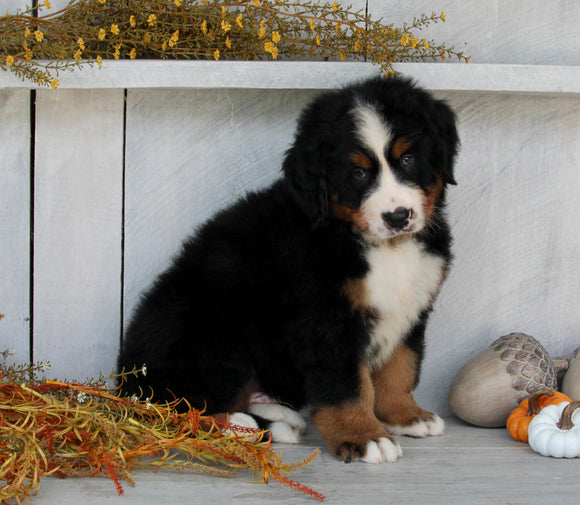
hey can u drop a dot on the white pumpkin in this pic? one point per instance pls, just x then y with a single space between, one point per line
555 431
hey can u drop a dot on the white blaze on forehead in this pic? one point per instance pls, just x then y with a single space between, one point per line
376 135
371 129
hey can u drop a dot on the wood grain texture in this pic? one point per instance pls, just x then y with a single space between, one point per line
15 221
467 465
78 225
190 153
492 31
514 215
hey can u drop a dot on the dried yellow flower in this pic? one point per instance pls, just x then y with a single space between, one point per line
178 3
47 4
115 29
81 43
276 37
147 38
174 39
216 54
443 17
357 45
226 27
269 47
404 40
133 53
132 21
239 21
228 43
26 32
204 27
426 44
152 20
103 1
9 60
262 29
317 39
102 34
311 24
335 6
38 35
27 53
77 56
99 61
55 83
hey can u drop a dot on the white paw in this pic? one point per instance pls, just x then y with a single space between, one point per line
275 412
283 433
434 427
243 420
383 451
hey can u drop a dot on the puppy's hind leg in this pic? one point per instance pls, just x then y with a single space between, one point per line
284 423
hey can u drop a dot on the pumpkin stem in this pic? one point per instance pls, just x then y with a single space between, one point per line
533 407
566 418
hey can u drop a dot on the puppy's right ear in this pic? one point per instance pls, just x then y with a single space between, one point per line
306 162
304 172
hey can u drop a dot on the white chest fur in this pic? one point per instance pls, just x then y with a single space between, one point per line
402 282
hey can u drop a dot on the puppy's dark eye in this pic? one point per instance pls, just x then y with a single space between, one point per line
407 161
360 174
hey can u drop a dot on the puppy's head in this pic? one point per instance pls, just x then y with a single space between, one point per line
377 155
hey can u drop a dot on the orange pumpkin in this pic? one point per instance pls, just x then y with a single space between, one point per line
519 420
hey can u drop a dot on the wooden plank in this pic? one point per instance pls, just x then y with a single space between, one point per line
15 221
78 230
466 465
528 32
514 214
448 77
189 153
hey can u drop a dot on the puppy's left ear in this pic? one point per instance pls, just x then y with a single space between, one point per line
448 141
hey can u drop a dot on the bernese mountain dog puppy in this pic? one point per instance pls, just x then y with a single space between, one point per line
315 291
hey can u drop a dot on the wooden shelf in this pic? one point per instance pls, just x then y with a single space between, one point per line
446 77
470 465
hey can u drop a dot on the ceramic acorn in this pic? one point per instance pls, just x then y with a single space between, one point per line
571 383
492 384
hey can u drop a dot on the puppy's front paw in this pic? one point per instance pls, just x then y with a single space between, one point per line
424 425
382 450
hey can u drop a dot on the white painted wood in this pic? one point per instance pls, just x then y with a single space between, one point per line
78 216
189 153
536 32
12 6
15 221
515 218
467 465
476 78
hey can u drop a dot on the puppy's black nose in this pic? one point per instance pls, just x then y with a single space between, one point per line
397 219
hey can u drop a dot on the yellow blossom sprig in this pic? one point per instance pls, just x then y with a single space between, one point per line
37 48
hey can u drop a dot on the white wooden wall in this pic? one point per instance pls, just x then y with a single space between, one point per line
98 187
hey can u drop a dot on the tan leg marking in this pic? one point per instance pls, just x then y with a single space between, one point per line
352 431
394 402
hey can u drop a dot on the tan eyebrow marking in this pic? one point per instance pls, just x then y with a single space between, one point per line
361 160
400 147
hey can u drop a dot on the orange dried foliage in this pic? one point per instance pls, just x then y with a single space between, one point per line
73 430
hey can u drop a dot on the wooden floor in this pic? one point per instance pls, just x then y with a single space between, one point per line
467 466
